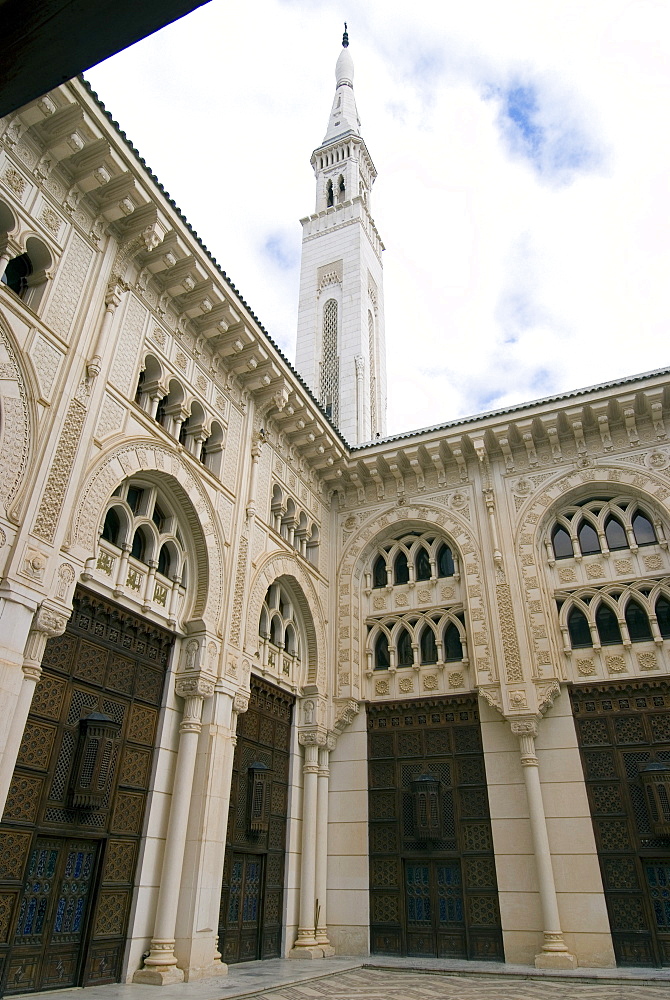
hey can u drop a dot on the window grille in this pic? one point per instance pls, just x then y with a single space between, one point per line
330 363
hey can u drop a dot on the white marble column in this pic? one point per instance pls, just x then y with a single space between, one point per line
306 945
554 954
160 967
46 623
321 865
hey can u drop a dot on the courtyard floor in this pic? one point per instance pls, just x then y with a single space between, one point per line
395 979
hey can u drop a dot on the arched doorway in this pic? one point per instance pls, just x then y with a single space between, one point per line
70 834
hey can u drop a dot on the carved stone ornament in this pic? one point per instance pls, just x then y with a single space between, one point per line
345 713
194 686
492 696
547 694
50 622
524 727
313 738
240 702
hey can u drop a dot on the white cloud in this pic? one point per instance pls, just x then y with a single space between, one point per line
527 250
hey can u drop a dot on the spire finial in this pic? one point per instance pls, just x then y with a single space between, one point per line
345 37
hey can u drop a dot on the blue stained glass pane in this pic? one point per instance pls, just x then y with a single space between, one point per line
234 907
69 913
69 864
36 886
51 866
60 910
41 912
33 862
41 863
87 865
22 913
79 862
78 913
30 916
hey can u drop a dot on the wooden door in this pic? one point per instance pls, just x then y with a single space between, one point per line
622 728
435 897
252 890
53 914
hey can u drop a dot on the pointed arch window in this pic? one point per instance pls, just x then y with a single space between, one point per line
111 529
663 616
382 652
588 539
405 652
164 561
16 274
643 530
379 574
422 565
608 626
637 621
578 628
329 194
139 545
428 646
615 534
560 539
400 569
453 647
445 561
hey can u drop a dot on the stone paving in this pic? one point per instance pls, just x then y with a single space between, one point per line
387 984
398 979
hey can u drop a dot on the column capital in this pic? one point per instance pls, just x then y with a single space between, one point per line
196 685
313 738
526 730
51 621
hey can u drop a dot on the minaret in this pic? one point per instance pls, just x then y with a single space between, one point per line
340 349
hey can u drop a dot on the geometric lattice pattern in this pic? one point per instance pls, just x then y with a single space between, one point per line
330 363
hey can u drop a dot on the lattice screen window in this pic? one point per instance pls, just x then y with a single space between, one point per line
373 374
330 363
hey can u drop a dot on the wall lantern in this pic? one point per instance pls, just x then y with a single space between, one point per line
94 761
427 807
655 779
258 798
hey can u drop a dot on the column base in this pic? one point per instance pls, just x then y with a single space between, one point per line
307 951
555 960
161 975
217 968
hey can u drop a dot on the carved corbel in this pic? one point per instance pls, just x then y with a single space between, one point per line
346 710
492 696
547 693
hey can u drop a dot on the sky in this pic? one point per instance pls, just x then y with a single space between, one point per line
523 191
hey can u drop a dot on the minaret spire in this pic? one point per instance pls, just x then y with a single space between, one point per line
340 349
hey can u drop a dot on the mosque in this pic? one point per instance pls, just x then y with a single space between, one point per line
274 683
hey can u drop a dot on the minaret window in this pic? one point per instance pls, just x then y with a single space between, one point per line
329 194
330 371
341 190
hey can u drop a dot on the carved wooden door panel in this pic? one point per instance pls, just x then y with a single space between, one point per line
622 730
53 914
81 779
250 919
437 895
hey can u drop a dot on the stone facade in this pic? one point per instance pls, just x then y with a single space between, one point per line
163 466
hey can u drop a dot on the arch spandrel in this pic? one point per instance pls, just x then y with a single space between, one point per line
359 549
155 461
535 518
282 567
